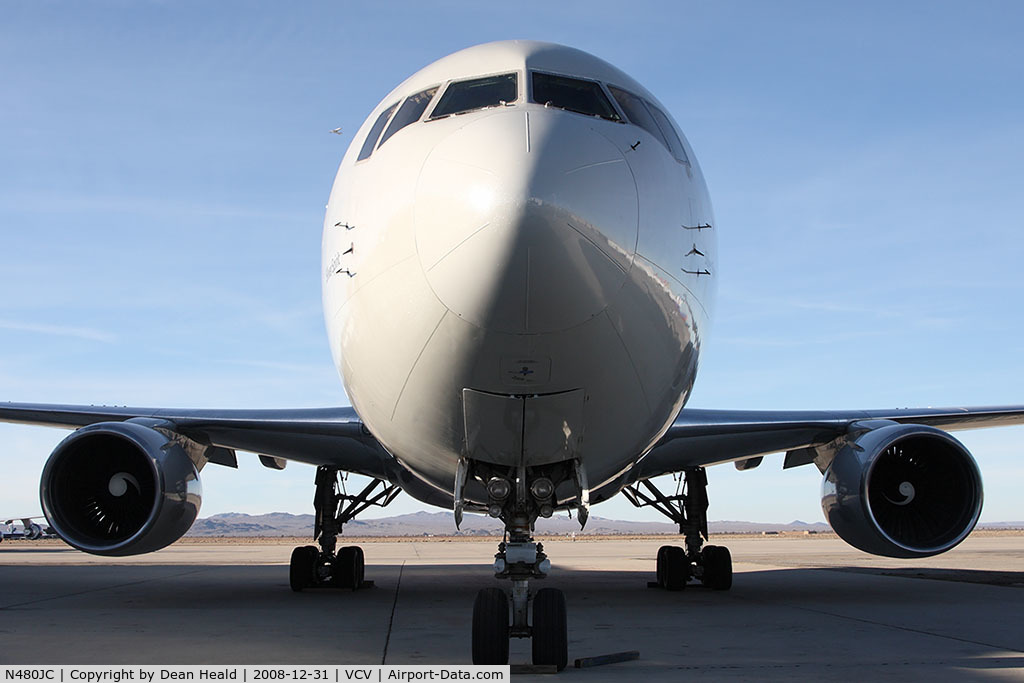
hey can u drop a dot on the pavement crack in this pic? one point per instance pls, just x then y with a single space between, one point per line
391 619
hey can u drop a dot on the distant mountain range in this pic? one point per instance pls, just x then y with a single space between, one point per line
443 524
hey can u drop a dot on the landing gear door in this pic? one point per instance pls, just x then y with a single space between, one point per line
552 427
494 427
523 430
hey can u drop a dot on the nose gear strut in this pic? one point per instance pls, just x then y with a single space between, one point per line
711 564
520 559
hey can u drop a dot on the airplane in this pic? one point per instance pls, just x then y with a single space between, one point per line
518 267
33 531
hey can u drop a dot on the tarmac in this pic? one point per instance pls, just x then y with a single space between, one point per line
800 607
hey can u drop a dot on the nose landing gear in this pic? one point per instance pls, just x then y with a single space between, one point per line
520 559
518 495
311 566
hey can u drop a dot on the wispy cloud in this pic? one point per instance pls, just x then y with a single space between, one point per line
58 330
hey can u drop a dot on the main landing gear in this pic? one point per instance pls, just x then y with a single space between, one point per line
312 566
710 564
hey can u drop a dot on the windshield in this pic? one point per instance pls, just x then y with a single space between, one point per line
572 94
478 93
674 143
637 112
410 112
378 126
650 118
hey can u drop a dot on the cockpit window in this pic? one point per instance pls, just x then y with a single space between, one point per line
572 94
637 112
378 126
674 143
410 112
650 118
477 93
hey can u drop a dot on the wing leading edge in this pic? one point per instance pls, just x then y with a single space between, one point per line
337 437
706 437
319 436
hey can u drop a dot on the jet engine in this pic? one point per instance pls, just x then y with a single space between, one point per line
903 491
120 488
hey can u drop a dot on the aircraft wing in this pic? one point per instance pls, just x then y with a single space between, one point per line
707 437
319 436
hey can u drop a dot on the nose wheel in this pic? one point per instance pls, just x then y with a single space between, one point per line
549 633
550 638
490 627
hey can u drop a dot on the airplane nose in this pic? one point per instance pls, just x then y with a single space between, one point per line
526 220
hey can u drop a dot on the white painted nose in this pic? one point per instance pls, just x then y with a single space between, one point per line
526 221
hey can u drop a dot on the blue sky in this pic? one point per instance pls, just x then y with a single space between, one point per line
164 167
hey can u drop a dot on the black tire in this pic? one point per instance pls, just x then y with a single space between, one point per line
490 627
360 566
347 569
302 567
661 564
550 628
717 561
317 559
676 569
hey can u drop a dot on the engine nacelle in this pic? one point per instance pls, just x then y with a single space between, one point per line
903 491
120 488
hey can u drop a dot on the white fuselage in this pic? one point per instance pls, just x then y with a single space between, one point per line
517 284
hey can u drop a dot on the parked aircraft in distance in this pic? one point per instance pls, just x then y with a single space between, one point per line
29 529
518 265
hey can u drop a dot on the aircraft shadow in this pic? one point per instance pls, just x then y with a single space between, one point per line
774 624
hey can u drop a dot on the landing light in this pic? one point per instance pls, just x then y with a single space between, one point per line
542 488
498 488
